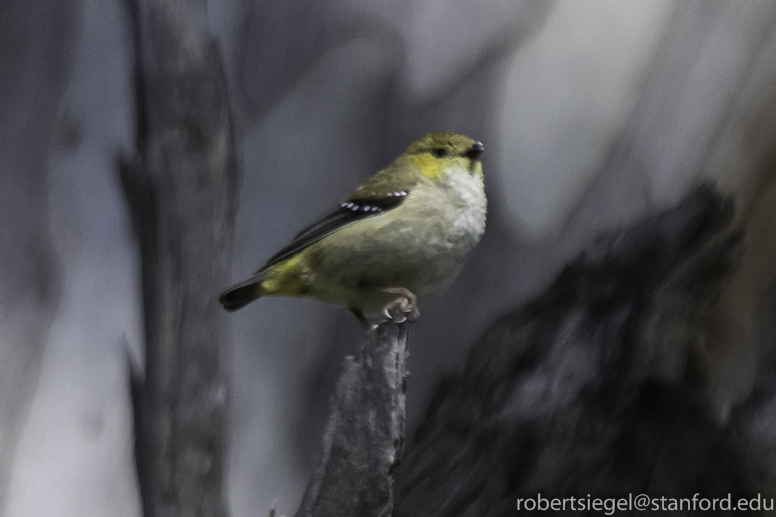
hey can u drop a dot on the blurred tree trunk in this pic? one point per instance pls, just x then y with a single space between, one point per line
181 188
37 41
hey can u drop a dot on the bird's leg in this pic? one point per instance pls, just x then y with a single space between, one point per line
404 308
360 317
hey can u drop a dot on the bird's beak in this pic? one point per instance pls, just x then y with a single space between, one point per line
474 152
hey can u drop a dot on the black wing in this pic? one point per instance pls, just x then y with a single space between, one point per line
348 212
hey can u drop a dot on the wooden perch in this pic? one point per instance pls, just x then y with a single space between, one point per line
365 435
181 189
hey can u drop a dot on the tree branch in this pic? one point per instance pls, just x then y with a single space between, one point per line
365 435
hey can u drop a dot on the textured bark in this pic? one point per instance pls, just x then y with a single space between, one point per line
365 434
181 192
596 386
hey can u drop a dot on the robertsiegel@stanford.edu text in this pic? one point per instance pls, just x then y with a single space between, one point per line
642 502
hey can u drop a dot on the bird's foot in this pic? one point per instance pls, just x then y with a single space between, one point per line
404 308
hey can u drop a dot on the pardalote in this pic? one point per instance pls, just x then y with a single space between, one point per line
402 236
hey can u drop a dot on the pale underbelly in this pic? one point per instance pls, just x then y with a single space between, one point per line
412 255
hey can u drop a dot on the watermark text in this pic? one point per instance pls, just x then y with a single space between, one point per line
642 502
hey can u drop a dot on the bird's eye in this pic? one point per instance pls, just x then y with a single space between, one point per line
439 152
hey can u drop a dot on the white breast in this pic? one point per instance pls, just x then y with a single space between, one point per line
466 193
441 242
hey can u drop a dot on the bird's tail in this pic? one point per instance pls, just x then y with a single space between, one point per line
242 294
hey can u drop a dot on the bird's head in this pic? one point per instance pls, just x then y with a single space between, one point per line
437 153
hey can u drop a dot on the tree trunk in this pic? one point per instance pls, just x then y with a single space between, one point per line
181 189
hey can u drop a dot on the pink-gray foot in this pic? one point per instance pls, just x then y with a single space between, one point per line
404 307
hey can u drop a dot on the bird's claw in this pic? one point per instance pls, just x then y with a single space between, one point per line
404 308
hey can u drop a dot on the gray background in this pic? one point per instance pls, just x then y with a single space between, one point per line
592 114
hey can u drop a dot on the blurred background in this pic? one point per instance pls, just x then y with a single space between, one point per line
592 114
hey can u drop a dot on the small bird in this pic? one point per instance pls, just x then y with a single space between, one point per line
402 236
